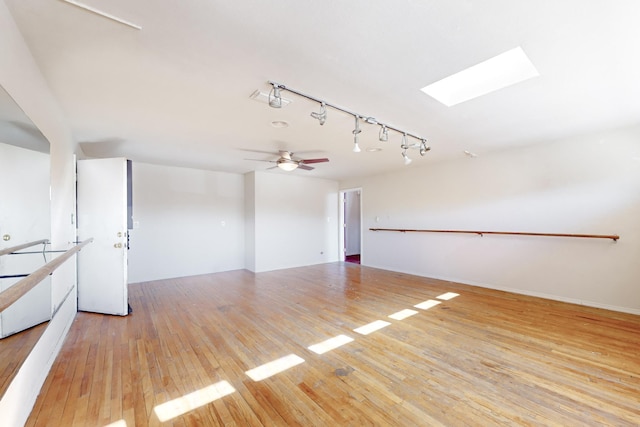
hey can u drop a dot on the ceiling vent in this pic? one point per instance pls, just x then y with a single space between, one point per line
263 97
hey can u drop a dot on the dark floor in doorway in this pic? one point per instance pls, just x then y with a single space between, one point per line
352 258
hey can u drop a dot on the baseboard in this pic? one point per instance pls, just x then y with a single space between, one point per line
531 293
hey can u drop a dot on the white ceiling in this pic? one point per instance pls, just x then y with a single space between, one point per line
178 91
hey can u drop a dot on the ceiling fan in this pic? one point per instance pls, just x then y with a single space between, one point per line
288 163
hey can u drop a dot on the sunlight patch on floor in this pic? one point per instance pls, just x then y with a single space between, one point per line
371 327
119 423
403 314
448 296
426 305
330 344
274 367
191 401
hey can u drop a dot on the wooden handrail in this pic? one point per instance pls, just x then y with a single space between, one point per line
16 291
12 249
613 237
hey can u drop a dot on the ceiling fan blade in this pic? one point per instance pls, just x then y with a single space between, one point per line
262 160
272 152
305 167
306 161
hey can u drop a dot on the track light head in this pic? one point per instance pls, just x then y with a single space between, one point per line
356 131
407 159
275 100
424 148
383 135
322 115
404 144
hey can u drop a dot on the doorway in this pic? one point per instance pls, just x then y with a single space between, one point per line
351 214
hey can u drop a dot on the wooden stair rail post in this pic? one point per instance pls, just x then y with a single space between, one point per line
13 249
613 237
16 291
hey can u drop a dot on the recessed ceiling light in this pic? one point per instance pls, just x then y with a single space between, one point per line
506 69
373 149
470 154
279 124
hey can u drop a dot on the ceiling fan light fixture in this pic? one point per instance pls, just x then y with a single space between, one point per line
287 164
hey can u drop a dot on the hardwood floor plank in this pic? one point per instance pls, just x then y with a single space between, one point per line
484 357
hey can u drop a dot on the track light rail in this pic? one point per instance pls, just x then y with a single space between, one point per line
613 237
368 119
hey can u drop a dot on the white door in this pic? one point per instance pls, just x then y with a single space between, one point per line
352 222
102 214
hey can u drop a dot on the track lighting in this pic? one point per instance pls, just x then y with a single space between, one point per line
322 115
424 147
404 145
276 101
407 159
383 135
356 131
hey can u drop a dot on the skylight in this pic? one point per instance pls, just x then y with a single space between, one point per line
506 69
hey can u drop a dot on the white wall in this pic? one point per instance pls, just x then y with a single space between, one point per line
250 221
186 222
296 221
588 185
21 78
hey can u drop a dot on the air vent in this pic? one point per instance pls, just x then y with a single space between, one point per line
263 97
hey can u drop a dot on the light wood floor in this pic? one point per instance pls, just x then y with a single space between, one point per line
482 358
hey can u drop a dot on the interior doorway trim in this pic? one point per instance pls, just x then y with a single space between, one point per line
346 222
